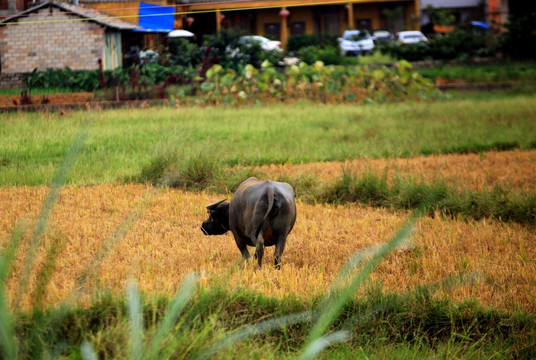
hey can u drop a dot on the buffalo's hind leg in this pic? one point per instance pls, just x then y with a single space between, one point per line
278 253
259 249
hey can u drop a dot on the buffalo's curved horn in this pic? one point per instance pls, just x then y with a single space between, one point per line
213 205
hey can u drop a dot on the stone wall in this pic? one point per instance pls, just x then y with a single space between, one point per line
56 44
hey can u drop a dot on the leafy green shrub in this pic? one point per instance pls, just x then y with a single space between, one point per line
505 72
461 44
297 42
185 53
458 44
76 80
88 80
317 82
376 58
329 55
519 39
224 48
409 52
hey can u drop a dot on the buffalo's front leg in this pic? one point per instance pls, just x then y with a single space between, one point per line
242 247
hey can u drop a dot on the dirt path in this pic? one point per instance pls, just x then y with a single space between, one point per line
61 98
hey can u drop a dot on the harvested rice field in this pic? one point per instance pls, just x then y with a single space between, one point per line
512 170
163 242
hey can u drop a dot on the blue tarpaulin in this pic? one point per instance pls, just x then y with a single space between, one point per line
481 24
155 18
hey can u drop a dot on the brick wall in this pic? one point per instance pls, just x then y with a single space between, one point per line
76 44
12 81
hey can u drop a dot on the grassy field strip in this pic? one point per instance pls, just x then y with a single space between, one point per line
514 170
121 143
166 243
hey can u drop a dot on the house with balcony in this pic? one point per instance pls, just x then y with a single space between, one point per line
276 18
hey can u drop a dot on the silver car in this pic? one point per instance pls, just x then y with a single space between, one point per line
410 37
266 44
355 42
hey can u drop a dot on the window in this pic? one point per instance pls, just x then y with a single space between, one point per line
273 29
363 24
327 20
297 28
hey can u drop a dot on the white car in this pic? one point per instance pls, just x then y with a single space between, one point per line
355 42
410 37
266 44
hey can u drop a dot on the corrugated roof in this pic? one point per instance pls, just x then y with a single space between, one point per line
82 11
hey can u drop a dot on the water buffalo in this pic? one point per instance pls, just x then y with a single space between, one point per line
261 213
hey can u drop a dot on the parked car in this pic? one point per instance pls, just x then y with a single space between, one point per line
410 37
382 36
266 44
355 42
148 56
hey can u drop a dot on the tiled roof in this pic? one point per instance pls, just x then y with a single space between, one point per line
80 10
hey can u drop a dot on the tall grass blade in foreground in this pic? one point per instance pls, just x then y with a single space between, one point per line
317 346
87 351
7 334
135 316
136 321
333 307
45 273
253 330
58 182
7 339
172 313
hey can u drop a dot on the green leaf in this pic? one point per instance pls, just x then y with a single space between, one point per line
378 74
250 71
404 64
207 86
266 64
214 70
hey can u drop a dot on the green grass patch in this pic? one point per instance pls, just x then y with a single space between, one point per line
377 57
482 73
406 193
379 323
122 144
370 189
44 91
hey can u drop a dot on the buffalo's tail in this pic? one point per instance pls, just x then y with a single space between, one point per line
272 209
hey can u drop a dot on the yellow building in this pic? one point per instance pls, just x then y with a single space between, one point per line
278 18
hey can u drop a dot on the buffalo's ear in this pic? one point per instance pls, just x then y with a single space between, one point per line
214 205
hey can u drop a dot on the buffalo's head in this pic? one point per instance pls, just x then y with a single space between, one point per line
218 219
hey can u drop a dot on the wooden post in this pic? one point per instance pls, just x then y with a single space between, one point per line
417 13
350 16
284 13
218 20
